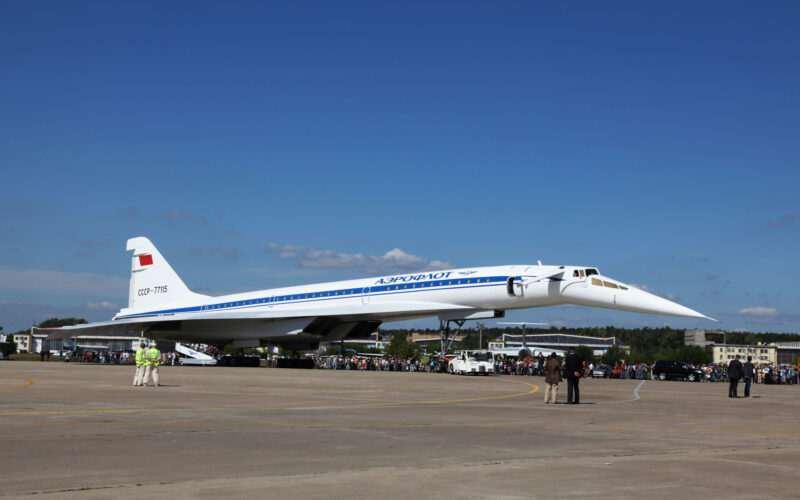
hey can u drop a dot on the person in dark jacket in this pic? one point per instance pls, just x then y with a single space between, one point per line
734 374
747 375
552 376
573 366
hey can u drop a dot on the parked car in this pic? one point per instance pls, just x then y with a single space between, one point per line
601 371
671 370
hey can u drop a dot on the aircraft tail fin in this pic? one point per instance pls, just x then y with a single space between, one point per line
154 285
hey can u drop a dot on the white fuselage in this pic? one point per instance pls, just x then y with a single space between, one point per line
483 288
453 294
161 306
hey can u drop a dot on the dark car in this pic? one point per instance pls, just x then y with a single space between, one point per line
670 370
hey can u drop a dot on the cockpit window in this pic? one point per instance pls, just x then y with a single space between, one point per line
575 274
590 272
609 284
597 282
583 273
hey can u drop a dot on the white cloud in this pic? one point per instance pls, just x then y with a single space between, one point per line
102 306
761 315
393 261
759 311
38 280
16 315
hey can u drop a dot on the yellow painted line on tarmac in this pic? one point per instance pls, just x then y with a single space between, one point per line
28 383
323 407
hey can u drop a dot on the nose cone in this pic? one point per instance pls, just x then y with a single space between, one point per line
637 300
611 294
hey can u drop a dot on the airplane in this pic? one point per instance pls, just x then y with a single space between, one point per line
525 351
161 306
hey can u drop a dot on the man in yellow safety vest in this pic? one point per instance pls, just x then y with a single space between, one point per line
153 357
141 364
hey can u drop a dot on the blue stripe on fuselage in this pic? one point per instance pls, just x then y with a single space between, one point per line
297 298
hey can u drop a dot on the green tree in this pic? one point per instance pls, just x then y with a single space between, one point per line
470 341
635 356
59 322
399 347
695 354
585 353
612 355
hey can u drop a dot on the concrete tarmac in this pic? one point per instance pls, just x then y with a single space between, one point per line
83 431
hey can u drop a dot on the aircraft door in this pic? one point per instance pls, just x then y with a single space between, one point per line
365 295
514 286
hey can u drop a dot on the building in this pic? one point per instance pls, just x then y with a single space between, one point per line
24 342
374 341
559 341
699 337
762 353
424 340
788 353
35 340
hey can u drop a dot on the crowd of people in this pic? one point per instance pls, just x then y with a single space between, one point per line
763 373
211 350
104 357
373 363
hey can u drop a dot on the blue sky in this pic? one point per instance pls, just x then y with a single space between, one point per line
658 142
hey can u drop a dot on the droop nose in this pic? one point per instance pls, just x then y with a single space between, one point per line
611 294
637 300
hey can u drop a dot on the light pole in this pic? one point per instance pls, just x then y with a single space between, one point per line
481 326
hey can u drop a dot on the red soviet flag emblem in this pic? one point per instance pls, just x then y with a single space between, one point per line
146 260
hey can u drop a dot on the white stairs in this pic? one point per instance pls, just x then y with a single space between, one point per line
194 357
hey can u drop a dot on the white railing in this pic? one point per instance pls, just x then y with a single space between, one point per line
200 357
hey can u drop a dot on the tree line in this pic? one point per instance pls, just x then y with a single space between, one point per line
645 345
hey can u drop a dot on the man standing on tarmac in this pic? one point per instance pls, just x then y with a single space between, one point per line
734 374
749 371
153 360
141 364
552 376
573 365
